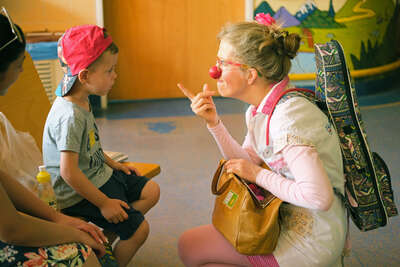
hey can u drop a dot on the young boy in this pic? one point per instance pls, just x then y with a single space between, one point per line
87 182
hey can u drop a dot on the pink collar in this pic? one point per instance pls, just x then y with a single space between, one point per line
267 104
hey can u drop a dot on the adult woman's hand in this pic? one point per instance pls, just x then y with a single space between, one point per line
79 224
98 248
202 104
243 168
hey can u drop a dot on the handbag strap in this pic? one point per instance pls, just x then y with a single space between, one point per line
278 96
215 180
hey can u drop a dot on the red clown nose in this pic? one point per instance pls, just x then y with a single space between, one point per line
215 72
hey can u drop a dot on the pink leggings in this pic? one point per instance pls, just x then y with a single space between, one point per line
205 246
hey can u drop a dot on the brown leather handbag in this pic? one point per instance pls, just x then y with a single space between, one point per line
246 216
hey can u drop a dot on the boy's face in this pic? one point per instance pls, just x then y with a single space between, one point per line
102 75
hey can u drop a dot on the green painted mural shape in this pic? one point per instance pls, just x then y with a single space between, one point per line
366 28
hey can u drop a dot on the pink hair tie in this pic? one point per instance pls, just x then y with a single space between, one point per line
265 19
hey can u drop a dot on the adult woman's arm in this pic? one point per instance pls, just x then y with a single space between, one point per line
230 148
203 106
25 201
25 230
311 187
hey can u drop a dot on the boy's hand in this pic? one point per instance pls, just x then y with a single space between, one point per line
203 104
112 210
127 169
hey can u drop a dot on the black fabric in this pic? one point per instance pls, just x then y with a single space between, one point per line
121 186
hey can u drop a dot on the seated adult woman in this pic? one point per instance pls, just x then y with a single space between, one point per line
32 233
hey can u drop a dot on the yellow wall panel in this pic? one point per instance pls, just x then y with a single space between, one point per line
163 42
26 105
50 15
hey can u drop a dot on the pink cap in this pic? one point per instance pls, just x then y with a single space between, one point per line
82 45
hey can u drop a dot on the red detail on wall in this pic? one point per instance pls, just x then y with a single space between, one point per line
309 37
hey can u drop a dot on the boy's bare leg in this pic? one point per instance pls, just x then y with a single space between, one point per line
148 198
125 249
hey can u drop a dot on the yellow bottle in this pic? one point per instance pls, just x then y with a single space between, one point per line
45 190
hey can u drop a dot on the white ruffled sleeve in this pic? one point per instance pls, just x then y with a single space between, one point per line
297 121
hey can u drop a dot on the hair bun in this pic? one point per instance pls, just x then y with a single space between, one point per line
291 44
291 54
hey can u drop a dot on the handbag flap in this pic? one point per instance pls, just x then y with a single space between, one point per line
267 196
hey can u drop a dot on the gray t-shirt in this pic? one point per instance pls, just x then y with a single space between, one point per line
71 128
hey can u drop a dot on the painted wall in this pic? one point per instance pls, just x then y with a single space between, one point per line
50 15
366 29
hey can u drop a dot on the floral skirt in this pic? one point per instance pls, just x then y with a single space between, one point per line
65 255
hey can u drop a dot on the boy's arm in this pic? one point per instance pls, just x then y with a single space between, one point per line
111 209
119 166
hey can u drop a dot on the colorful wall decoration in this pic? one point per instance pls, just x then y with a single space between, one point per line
367 29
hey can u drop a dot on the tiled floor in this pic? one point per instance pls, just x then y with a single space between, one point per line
166 132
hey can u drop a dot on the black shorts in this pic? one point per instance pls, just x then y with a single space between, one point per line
121 186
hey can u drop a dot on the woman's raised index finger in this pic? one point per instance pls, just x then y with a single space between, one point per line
186 92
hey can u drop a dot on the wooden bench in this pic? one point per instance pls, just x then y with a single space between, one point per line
146 169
